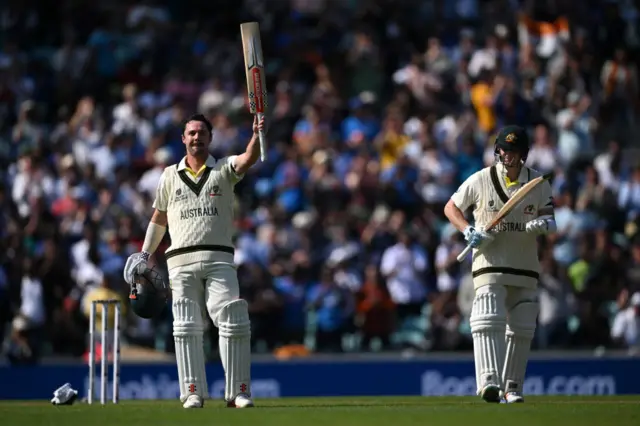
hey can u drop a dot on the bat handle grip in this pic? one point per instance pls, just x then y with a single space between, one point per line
463 254
263 140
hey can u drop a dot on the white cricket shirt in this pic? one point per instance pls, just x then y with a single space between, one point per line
199 211
512 258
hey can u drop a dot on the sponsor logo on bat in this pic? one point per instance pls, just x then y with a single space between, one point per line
255 64
255 54
257 89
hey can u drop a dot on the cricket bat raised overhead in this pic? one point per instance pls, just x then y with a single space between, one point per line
254 68
508 207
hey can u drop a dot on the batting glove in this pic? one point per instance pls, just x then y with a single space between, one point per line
542 225
136 264
64 395
477 238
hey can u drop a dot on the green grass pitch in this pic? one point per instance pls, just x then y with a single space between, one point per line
387 411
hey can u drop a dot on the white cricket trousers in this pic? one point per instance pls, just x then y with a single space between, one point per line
210 285
197 288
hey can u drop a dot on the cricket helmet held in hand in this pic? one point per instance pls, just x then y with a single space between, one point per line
149 293
512 138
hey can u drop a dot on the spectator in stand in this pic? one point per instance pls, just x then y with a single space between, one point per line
374 119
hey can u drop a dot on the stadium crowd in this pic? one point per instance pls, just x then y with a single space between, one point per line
379 109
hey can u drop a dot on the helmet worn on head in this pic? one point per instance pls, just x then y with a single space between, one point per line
512 138
149 293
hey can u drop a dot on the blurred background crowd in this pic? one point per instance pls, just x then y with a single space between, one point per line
379 109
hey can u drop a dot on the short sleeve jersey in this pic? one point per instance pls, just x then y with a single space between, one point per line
512 258
199 211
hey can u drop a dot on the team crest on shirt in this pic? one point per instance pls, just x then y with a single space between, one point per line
491 206
179 195
530 209
215 191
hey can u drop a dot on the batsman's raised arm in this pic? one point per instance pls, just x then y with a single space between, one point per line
244 161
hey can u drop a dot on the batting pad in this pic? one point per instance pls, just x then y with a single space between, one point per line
488 322
234 329
521 327
187 334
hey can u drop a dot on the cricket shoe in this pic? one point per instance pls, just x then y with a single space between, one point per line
491 393
193 401
513 397
241 401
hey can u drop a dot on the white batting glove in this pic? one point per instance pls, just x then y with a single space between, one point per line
136 264
64 395
477 238
541 226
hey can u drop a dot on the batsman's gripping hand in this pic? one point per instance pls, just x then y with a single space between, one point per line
136 264
258 125
541 226
477 238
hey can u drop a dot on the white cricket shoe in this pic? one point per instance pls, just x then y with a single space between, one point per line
241 401
193 401
513 397
491 393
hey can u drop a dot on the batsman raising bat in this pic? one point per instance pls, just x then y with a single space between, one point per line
505 263
195 199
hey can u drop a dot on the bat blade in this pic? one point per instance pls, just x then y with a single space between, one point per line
516 199
509 206
254 67
254 70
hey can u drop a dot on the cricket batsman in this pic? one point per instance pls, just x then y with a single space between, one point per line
505 264
194 199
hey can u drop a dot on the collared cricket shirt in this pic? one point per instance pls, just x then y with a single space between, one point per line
199 207
512 258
